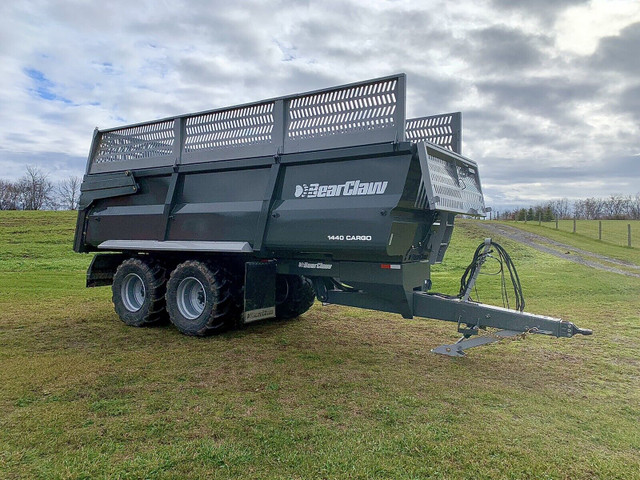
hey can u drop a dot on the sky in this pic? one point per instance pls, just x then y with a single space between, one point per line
549 89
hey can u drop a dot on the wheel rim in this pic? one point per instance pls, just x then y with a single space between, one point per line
133 292
192 298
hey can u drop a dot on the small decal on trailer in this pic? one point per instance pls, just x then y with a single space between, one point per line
390 266
318 265
350 238
259 314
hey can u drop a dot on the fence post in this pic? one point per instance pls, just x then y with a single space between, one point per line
628 234
556 223
574 225
599 229
539 218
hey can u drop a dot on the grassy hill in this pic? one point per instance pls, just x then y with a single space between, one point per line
337 393
614 243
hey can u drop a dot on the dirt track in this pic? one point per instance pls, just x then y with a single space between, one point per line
562 250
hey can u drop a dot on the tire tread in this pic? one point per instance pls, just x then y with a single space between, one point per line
155 274
299 300
219 317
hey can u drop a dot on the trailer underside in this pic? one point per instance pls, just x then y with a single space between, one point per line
393 288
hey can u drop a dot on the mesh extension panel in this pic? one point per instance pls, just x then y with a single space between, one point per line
239 132
355 114
345 116
136 143
444 130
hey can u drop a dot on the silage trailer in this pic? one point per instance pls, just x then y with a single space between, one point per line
220 218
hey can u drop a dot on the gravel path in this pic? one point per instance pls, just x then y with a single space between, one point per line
562 250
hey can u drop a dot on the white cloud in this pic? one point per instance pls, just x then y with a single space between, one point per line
580 28
533 82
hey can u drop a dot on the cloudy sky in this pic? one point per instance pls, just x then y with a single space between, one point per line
549 89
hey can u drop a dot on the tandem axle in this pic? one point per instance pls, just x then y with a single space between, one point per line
376 286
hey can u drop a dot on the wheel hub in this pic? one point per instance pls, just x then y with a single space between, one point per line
133 292
191 298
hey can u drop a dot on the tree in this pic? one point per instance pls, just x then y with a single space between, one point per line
530 214
561 208
579 209
69 192
9 197
35 190
616 206
634 207
538 212
593 208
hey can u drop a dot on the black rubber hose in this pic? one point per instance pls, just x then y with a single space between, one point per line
505 260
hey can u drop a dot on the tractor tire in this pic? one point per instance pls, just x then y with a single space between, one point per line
199 300
294 296
138 292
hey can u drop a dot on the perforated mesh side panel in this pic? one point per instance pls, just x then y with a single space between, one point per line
449 183
444 130
366 108
235 127
422 199
471 192
445 184
136 143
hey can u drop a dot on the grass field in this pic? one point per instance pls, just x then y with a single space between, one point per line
614 232
337 393
587 242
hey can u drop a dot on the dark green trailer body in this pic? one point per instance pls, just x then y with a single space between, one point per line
331 192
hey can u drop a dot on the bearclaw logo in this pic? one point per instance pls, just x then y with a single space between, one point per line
347 189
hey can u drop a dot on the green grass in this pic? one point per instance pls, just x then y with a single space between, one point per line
586 240
338 393
613 231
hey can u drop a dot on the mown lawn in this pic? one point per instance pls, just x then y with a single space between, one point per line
614 235
337 393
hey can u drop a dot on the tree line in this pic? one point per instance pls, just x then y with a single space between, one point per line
35 191
613 207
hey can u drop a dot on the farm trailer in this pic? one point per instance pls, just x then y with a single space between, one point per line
224 217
